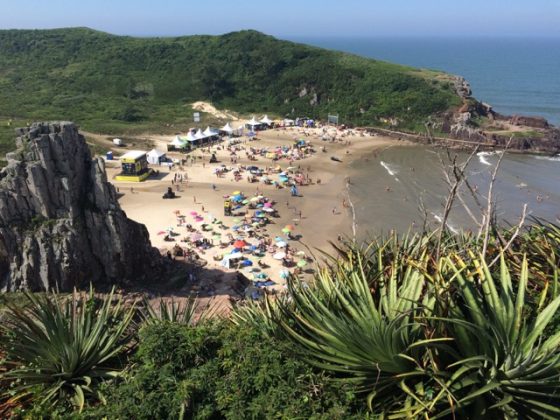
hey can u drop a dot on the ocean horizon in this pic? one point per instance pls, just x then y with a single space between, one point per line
515 75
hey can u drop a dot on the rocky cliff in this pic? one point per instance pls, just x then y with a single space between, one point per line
60 222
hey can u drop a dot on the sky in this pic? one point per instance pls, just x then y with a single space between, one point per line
292 18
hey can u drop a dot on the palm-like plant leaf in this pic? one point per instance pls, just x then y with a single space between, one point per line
61 347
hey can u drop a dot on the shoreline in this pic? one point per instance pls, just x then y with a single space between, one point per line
324 217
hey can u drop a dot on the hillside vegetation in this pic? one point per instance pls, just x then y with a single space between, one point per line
111 83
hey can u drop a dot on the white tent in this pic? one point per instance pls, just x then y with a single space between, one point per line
266 120
199 135
178 143
227 128
210 132
254 122
154 156
191 137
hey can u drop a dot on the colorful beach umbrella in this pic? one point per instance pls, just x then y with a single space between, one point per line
196 237
236 193
239 244
286 230
193 213
281 244
289 227
279 255
301 263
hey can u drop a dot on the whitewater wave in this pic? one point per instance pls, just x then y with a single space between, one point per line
555 158
391 171
482 157
439 219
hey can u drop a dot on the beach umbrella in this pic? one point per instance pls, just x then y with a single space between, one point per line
289 227
268 210
199 219
279 255
246 263
193 213
281 244
196 237
245 202
286 231
239 244
253 199
236 193
236 220
261 215
301 263
161 232
268 204
284 274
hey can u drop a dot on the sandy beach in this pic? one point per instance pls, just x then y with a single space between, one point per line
319 214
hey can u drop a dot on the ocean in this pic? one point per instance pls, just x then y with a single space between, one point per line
514 75
401 187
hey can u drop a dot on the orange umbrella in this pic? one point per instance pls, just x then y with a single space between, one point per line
289 227
239 244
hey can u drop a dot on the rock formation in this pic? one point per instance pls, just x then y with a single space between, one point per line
60 223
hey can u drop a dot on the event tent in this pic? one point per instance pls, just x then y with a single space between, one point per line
199 135
266 120
178 143
155 156
253 124
228 129
210 132
191 137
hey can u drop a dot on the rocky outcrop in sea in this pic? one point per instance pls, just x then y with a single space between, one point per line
61 225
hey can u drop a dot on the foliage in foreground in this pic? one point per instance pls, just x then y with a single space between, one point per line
219 371
59 348
385 330
452 337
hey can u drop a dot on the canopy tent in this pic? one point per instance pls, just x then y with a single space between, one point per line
288 122
253 124
210 132
191 137
253 121
228 129
199 135
155 156
266 120
178 143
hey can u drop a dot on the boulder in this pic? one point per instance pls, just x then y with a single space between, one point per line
61 225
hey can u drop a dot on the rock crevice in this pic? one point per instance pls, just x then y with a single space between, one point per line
61 225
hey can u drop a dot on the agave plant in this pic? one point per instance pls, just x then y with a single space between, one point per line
507 365
258 315
362 324
184 312
60 348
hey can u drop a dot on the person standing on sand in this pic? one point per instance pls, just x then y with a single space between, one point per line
334 210
194 199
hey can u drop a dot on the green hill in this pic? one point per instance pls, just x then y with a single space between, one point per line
107 83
